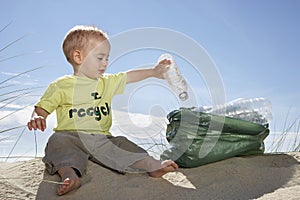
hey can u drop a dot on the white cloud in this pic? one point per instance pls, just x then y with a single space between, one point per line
15 74
137 125
21 117
20 79
15 119
11 106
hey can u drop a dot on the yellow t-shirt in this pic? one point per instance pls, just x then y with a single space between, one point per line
83 104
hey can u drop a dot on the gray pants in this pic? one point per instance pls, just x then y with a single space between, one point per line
74 149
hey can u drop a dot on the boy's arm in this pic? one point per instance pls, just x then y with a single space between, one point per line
141 74
38 119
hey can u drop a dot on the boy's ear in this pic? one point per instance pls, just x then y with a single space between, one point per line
78 57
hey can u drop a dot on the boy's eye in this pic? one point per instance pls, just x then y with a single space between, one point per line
103 59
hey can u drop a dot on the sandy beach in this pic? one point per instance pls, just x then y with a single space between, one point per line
270 176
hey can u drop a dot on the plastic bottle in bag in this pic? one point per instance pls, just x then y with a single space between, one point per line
174 78
256 110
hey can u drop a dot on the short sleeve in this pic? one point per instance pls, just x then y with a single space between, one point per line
50 99
119 82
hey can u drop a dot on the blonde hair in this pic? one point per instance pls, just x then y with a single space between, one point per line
78 38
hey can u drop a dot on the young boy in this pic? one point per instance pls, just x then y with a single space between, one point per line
83 108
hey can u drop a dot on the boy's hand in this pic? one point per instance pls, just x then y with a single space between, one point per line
38 119
161 68
37 122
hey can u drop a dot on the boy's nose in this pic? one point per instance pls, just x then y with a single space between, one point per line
105 63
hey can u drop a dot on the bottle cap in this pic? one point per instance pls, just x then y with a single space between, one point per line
166 56
183 96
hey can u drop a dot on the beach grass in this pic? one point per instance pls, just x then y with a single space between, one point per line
11 91
288 139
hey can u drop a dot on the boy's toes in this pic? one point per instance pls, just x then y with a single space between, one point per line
169 164
166 166
68 186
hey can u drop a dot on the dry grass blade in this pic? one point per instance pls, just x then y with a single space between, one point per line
25 72
13 98
10 44
6 86
5 116
15 56
5 27
20 90
15 144
10 129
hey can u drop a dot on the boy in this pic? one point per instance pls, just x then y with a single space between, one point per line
83 109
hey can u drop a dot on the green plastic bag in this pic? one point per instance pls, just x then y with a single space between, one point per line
196 140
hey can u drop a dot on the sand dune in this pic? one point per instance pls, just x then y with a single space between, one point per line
273 176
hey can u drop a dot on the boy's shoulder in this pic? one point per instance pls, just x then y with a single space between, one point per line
114 76
64 80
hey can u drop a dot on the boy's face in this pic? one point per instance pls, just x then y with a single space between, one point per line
96 59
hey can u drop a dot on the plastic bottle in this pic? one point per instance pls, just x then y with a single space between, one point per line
174 78
257 110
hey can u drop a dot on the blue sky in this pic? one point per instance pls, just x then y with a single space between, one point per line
254 45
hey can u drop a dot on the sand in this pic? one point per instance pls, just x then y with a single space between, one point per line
270 176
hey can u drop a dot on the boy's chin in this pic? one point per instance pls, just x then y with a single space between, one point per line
95 76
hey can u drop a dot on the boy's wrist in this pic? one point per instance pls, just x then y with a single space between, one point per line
153 72
157 73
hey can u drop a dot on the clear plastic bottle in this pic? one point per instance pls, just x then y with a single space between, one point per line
257 110
174 78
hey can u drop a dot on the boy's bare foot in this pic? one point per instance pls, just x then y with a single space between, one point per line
166 166
155 168
70 179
